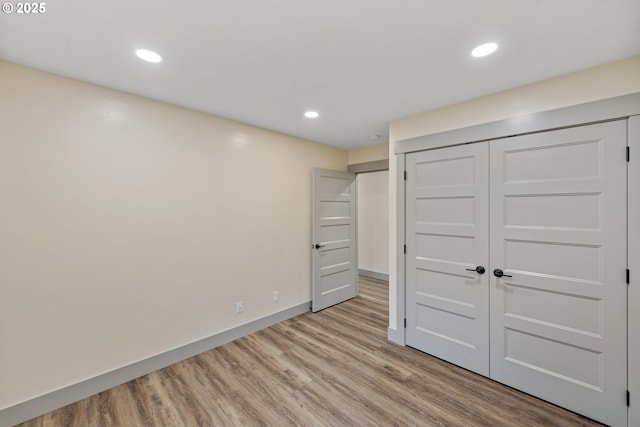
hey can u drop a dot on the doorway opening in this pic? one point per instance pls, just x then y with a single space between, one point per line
372 204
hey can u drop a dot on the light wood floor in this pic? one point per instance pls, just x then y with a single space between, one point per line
332 368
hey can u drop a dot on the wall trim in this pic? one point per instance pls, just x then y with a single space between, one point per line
48 402
373 274
398 325
617 108
375 166
396 336
633 264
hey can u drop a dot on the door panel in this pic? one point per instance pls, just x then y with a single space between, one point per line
334 276
558 227
447 217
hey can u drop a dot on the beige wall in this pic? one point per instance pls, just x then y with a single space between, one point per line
373 221
130 227
369 154
606 81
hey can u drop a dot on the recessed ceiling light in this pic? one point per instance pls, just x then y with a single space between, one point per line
148 55
484 50
311 114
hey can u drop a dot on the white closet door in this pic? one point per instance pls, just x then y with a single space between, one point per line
447 238
558 230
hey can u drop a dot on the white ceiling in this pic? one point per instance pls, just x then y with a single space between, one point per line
359 63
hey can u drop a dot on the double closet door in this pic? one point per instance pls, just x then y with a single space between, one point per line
516 263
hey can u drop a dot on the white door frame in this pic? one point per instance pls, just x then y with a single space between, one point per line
622 107
633 263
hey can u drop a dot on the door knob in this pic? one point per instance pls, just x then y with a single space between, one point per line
499 273
318 246
479 269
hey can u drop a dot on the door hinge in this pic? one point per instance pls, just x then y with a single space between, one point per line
628 276
405 251
405 323
628 398
628 154
405 173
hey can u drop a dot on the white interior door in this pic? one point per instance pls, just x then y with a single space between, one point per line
447 302
558 232
335 270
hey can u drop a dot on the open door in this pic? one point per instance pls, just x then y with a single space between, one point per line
334 266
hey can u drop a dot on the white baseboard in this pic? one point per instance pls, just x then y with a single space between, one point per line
396 336
41 405
373 274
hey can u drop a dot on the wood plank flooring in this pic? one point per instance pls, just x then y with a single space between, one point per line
332 368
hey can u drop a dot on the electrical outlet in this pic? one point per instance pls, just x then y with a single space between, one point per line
276 295
239 307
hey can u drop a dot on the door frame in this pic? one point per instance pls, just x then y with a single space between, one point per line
626 107
633 263
364 168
